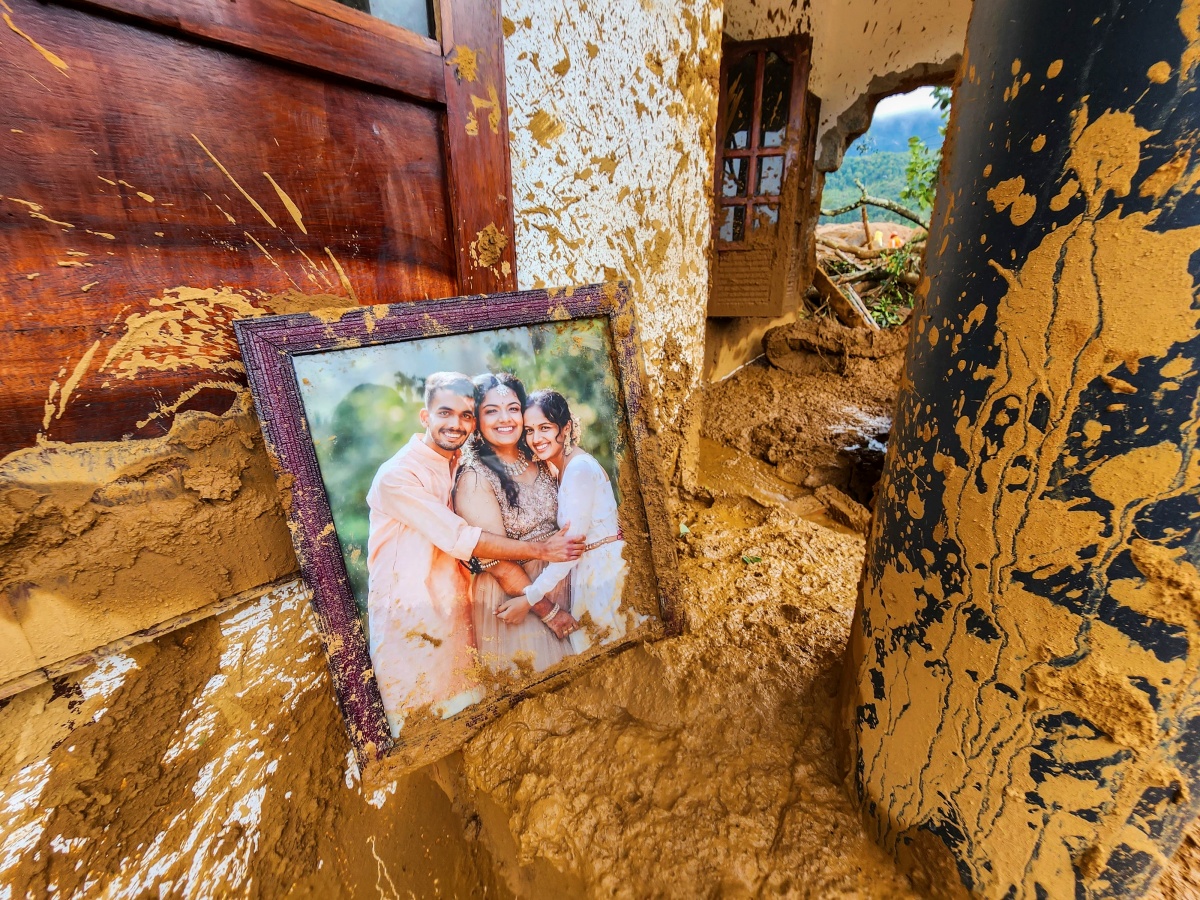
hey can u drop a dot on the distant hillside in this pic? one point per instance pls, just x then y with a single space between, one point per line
883 175
892 134
878 159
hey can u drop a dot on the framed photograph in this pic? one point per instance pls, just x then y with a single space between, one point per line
474 499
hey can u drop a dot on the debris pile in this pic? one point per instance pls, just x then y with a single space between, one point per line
866 274
804 427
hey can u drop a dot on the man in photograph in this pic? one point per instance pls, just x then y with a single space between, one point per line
422 646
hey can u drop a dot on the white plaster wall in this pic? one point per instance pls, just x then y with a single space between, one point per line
612 114
856 42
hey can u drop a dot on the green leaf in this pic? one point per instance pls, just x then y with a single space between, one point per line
750 560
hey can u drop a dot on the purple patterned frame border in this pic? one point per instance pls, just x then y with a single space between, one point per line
268 345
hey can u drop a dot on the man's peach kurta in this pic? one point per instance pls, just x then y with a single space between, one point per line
422 646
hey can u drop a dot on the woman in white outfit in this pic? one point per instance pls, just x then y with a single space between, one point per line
586 502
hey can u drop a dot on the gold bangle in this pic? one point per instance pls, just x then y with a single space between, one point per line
554 611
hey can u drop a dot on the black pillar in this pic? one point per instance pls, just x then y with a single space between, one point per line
1022 686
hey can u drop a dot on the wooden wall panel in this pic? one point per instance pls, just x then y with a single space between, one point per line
322 34
133 163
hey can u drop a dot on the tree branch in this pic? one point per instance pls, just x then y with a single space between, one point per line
882 203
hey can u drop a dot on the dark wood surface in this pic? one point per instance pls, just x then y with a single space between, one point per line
477 131
768 272
106 186
320 34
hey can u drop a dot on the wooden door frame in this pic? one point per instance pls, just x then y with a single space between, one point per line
325 36
786 267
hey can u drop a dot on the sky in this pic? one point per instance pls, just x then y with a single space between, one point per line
921 98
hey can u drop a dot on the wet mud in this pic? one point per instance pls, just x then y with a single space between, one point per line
811 420
706 762
703 762
214 761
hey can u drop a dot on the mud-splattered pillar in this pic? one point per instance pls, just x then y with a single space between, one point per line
1024 678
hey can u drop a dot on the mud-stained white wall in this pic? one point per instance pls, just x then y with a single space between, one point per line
612 118
213 760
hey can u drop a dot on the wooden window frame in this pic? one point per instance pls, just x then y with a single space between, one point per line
764 274
330 38
794 50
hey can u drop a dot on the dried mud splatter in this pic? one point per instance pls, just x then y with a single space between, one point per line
1041 768
102 540
588 208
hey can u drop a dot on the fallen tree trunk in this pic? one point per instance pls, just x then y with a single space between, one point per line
859 252
882 204
845 303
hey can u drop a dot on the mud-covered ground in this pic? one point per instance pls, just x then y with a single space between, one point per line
700 766
705 765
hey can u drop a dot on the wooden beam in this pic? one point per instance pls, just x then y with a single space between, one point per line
845 303
314 34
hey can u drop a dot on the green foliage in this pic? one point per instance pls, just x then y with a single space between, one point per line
920 175
835 266
373 421
908 178
894 292
942 95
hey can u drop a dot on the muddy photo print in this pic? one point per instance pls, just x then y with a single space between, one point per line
471 499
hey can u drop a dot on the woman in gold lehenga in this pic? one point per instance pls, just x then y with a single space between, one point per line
502 488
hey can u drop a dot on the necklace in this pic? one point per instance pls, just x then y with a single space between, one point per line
517 469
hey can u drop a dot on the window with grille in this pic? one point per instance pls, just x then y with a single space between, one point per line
765 144
756 102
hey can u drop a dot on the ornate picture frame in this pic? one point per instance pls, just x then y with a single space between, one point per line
274 346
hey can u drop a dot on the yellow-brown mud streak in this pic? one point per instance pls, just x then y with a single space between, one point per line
488 246
466 63
215 760
185 329
1180 879
974 744
103 539
1011 193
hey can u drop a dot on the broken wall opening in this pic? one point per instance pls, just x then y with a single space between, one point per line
874 212
862 52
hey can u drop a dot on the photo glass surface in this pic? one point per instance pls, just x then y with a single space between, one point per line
536 439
